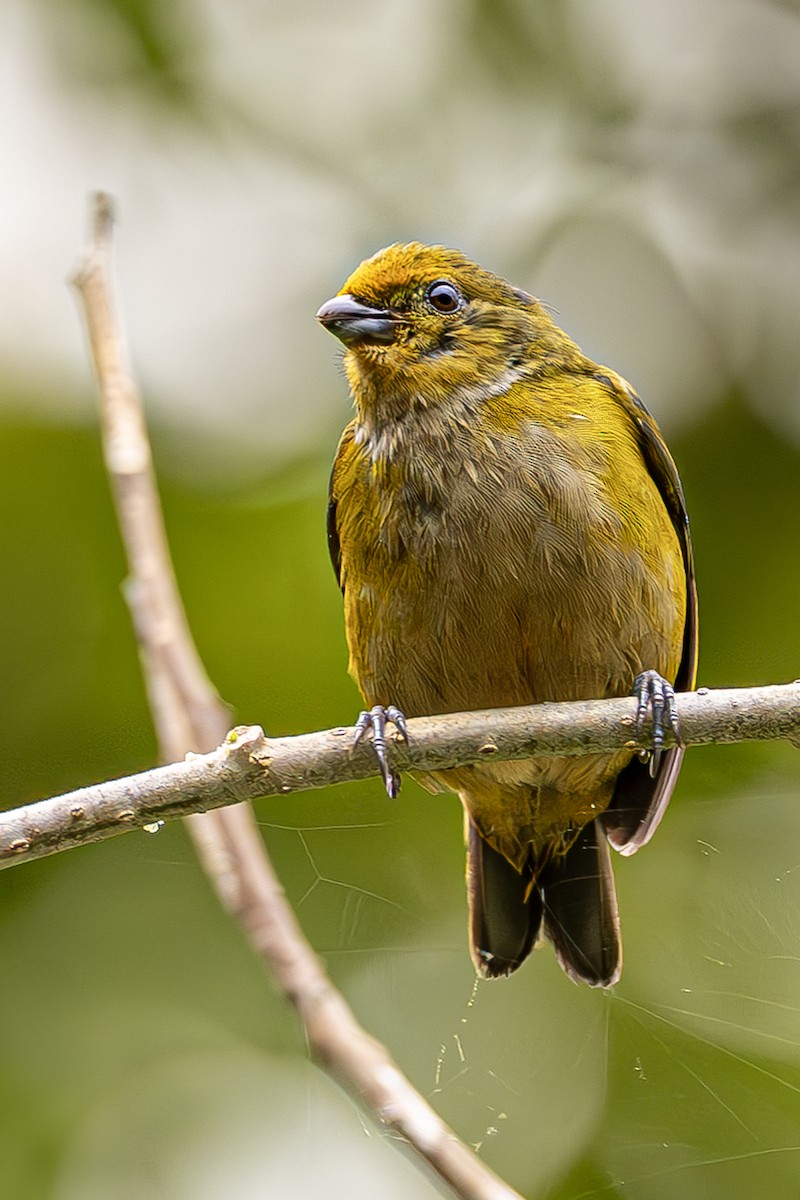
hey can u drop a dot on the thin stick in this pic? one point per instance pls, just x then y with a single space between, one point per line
249 765
189 717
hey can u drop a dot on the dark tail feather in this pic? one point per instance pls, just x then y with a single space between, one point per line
580 910
503 924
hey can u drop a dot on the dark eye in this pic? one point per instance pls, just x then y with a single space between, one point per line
444 297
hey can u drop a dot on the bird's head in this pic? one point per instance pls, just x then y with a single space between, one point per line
422 324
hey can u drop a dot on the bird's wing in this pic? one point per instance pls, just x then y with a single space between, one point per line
639 800
334 548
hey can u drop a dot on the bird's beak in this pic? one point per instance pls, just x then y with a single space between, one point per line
352 322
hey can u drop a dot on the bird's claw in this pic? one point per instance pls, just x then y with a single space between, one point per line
655 695
377 719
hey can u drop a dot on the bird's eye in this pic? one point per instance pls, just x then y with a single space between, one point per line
444 297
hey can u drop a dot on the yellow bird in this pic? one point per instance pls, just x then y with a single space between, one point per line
508 528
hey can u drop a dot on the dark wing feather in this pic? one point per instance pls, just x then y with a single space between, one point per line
334 549
639 801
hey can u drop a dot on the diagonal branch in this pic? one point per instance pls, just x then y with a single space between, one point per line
189 717
249 765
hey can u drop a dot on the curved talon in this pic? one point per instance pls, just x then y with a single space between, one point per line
377 719
398 719
656 694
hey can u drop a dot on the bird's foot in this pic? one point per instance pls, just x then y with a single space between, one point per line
655 695
377 719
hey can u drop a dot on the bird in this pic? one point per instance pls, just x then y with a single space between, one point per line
508 528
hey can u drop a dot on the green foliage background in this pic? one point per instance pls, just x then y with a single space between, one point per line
636 167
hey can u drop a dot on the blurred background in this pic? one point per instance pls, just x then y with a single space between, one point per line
635 164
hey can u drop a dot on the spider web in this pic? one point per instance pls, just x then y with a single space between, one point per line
683 1081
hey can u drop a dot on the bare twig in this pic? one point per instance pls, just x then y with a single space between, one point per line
249 765
189 716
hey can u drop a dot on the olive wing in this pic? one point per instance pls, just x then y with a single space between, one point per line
334 546
640 800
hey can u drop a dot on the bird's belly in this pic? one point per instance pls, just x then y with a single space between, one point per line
465 631
436 642
502 611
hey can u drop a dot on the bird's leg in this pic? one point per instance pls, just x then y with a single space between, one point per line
656 694
376 719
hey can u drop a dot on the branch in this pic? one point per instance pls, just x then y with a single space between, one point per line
189 716
249 765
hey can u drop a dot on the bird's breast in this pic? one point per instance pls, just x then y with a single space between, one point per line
497 573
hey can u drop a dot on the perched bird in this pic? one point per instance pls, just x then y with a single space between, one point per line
508 527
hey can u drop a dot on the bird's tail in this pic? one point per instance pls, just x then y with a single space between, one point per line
581 917
573 901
